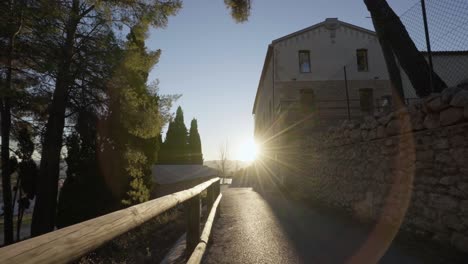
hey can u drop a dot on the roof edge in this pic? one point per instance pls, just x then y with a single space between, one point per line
262 76
365 30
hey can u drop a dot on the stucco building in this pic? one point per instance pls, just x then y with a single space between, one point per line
318 76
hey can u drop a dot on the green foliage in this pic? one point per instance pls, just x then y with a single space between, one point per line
181 147
240 9
195 150
175 148
85 193
135 120
27 168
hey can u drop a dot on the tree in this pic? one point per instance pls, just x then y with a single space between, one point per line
79 21
60 54
394 36
134 123
240 9
25 188
84 194
13 13
175 147
194 144
223 158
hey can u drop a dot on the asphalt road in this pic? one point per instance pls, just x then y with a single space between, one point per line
268 228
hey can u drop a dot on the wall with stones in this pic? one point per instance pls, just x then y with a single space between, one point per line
408 168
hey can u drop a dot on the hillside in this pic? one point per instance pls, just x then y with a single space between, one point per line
232 165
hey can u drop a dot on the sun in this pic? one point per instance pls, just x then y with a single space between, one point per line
249 151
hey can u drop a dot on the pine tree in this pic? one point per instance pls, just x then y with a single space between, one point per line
77 22
195 149
134 123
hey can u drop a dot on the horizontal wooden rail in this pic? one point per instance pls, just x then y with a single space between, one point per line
70 243
197 254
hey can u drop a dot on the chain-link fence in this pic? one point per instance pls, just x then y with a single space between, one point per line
447 22
357 83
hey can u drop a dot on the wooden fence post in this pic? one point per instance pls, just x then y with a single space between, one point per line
211 196
192 212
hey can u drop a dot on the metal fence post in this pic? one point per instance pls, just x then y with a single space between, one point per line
347 92
428 44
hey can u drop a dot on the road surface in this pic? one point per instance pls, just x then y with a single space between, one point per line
254 228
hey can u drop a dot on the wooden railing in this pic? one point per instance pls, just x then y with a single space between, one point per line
70 243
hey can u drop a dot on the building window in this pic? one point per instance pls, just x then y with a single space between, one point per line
362 63
304 61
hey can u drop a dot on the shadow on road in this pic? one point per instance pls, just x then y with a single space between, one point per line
322 236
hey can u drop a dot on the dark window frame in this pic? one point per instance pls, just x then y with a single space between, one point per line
308 61
366 60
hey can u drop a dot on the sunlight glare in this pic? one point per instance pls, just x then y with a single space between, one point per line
249 151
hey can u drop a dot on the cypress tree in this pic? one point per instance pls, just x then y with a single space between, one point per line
175 148
195 151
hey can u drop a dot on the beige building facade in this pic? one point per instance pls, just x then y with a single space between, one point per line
318 76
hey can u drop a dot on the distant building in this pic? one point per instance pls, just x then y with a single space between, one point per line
311 76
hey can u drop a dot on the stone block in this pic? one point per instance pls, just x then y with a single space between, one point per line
441 143
460 155
456 192
417 121
402 112
372 134
393 128
431 121
434 103
460 241
457 141
356 134
370 122
448 93
453 221
444 203
405 125
444 157
448 180
365 135
441 237
460 99
463 186
383 120
425 156
449 171
451 116
380 132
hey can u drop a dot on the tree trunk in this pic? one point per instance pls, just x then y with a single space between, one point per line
6 173
392 66
411 60
5 149
46 200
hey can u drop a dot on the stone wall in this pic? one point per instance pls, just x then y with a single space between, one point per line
408 168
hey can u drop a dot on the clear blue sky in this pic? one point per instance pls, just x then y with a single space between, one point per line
216 63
